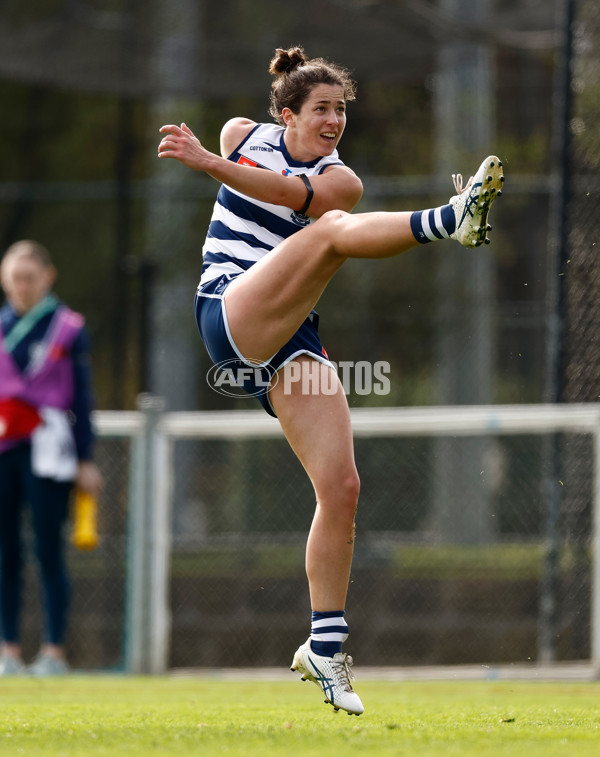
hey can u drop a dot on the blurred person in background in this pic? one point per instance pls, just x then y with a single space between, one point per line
46 442
265 266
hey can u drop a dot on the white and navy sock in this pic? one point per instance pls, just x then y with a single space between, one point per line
327 632
433 224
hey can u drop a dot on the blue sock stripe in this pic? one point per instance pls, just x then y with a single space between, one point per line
448 218
329 614
417 227
326 648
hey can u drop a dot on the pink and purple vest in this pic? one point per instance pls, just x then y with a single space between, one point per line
48 380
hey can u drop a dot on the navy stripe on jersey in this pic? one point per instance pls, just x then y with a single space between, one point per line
218 230
251 212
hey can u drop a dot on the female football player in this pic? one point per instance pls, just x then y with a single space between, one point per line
281 228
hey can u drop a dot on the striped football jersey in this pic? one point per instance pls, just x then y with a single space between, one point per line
242 229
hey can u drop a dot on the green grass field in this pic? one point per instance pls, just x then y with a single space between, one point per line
112 715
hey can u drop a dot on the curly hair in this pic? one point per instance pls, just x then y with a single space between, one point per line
296 75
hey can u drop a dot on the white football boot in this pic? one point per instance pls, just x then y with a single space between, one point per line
472 204
332 675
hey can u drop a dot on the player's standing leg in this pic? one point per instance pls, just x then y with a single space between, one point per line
319 431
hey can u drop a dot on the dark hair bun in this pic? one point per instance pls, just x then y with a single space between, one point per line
285 61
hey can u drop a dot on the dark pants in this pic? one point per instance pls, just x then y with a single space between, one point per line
49 503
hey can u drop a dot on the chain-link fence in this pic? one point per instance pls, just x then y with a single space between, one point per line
581 263
418 595
436 579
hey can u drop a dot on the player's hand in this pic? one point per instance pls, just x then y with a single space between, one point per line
181 143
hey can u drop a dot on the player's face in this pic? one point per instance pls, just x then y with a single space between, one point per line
315 131
25 282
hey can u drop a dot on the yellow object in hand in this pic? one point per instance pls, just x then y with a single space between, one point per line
85 521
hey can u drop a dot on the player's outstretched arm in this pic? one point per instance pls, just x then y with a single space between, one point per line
337 188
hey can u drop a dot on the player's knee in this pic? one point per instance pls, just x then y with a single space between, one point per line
331 224
353 490
342 494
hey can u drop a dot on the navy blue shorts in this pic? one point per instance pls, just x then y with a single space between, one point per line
211 318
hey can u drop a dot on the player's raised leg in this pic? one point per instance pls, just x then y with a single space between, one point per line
267 304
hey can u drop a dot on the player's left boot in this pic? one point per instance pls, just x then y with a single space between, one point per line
472 203
332 675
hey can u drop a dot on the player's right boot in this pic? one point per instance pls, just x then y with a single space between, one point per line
332 675
472 204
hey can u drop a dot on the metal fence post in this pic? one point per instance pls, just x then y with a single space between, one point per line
135 642
147 619
159 545
595 572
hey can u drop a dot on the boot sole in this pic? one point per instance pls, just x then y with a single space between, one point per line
489 189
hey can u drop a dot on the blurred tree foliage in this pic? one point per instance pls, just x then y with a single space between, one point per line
80 137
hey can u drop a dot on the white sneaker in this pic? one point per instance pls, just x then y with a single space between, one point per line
11 666
472 204
45 665
332 676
